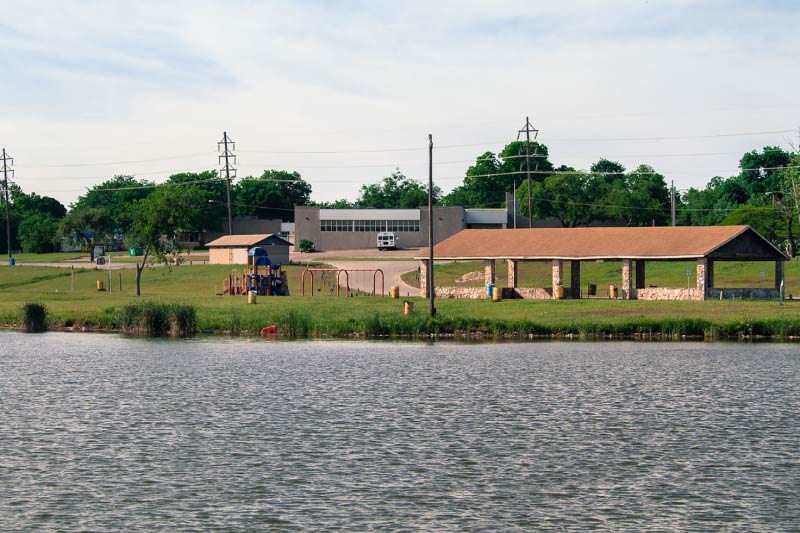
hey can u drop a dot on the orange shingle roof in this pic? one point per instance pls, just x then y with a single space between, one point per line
586 243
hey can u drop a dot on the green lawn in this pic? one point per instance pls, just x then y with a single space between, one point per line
197 285
658 273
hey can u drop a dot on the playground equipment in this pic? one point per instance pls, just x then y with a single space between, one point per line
334 277
260 276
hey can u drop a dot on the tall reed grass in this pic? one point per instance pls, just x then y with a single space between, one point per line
34 317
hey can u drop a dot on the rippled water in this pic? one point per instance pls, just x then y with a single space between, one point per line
99 432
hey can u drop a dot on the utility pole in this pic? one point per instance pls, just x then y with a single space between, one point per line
228 155
7 161
528 129
672 201
429 280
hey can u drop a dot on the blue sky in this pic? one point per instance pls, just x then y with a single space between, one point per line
106 82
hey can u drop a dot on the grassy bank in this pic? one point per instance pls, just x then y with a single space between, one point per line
85 307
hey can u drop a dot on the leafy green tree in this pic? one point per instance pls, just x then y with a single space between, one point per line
570 197
157 221
336 204
38 233
396 192
214 212
87 226
115 196
767 220
33 203
487 181
273 195
638 198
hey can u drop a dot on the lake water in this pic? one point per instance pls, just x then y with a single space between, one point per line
101 432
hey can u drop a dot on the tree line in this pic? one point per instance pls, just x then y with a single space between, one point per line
763 194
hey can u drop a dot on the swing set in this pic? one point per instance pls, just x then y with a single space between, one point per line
332 279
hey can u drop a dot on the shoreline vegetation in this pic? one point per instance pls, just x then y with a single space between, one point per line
181 302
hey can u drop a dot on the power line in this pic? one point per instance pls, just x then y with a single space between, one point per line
128 162
488 143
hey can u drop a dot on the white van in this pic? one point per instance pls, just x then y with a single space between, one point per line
387 240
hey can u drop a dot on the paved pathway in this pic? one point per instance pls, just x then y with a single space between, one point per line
392 270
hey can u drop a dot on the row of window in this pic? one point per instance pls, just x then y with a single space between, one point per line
369 225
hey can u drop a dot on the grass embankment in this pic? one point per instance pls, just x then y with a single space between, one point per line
659 273
326 315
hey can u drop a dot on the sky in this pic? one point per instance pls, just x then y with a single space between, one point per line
345 92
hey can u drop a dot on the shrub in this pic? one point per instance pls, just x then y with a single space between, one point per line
34 317
184 320
306 246
156 320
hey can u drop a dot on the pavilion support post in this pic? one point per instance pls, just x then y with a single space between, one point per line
702 277
640 274
778 274
423 278
512 273
627 288
709 275
558 280
575 279
488 272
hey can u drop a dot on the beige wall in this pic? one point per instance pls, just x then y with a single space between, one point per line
227 256
447 222
238 256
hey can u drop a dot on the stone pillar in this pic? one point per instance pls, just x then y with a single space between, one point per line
512 273
778 274
627 289
702 263
640 279
558 267
423 278
488 271
575 279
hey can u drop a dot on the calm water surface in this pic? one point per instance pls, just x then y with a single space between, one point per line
103 433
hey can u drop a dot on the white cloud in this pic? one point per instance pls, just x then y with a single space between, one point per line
109 81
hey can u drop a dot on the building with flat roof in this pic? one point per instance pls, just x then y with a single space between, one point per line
344 229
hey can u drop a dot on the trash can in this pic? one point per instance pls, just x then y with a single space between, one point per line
613 292
12 262
394 292
497 294
251 297
490 290
100 286
592 289
408 308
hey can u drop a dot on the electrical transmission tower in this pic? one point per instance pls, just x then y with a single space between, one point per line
527 130
7 163
226 147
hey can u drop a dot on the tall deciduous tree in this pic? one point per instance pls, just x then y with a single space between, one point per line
487 181
158 219
272 195
396 191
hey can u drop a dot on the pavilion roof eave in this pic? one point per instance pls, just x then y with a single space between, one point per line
566 258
